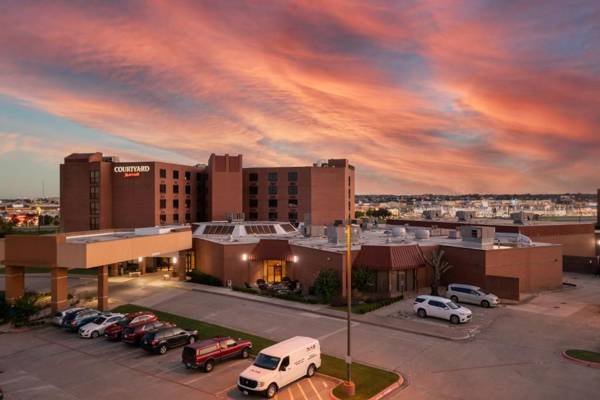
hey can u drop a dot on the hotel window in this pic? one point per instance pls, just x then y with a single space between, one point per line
188 174
163 173
253 189
272 216
293 190
273 189
253 203
175 203
272 203
94 177
175 174
188 203
188 217
198 177
163 219
163 203
292 176
252 216
293 216
175 188
175 217
94 223
188 189
272 177
163 188
95 207
253 177
293 203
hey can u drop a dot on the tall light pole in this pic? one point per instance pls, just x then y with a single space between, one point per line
349 385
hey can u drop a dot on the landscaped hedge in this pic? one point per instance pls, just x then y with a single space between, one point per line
205 279
283 296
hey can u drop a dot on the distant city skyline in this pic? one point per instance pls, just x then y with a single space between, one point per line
422 97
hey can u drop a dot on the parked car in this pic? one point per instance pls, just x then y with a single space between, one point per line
115 332
458 292
161 340
281 364
440 307
207 353
72 315
58 316
134 334
82 319
98 325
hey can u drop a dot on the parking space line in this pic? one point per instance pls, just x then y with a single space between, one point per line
302 391
315 389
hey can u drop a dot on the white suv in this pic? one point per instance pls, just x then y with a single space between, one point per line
471 294
440 307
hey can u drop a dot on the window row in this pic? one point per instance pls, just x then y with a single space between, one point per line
163 203
273 203
273 216
274 176
163 218
163 188
163 174
292 190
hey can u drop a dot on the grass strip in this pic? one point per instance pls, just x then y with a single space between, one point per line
369 380
584 355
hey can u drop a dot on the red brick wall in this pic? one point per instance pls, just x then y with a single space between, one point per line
224 186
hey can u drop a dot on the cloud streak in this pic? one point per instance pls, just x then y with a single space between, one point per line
431 96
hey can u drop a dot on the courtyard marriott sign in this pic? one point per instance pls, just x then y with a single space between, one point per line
131 170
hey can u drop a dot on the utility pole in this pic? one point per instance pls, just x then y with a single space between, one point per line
349 385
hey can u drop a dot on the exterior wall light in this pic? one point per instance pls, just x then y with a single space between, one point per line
244 257
174 260
140 259
295 259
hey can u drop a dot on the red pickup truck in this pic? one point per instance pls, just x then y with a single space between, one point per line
206 353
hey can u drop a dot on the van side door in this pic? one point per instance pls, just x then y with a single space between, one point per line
286 372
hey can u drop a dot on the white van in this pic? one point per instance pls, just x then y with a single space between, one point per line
280 365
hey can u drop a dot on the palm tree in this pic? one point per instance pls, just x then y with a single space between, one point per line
439 266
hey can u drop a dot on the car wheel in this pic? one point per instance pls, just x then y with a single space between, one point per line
245 353
208 366
421 313
95 334
191 340
454 299
485 304
271 391
310 372
163 349
454 319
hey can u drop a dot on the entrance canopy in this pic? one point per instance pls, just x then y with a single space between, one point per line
95 248
390 258
272 249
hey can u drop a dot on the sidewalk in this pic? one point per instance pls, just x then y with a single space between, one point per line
431 329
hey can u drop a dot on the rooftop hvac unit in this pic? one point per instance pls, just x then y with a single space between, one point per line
522 217
464 215
422 234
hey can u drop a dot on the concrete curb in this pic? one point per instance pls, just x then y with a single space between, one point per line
589 364
330 315
400 384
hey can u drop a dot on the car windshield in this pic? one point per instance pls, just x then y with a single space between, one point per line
99 320
266 362
452 305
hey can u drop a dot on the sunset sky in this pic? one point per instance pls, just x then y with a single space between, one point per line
422 96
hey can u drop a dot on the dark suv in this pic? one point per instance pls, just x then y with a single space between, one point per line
207 353
133 334
168 338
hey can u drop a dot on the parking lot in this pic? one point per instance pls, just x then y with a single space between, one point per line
49 363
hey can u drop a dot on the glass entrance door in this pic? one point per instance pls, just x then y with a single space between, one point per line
274 271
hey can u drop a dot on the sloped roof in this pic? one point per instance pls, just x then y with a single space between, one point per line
386 258
272 249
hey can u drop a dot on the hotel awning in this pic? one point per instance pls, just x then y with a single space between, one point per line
390 258
272 249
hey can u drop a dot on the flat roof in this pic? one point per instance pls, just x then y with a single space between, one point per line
493 222
108 235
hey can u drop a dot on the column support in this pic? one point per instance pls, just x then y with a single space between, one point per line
180 267
60 288
14 281
103 288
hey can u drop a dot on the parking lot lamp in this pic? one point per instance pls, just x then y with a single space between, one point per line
349 385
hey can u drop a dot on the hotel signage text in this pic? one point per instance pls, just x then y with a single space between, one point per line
131 170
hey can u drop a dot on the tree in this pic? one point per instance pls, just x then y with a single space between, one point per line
359 214
439 266
363 279
327 285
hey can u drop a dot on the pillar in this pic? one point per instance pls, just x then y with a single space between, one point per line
60 288
103 287
14 282
142 265
180 267
114 270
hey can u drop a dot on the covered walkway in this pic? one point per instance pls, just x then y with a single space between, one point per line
93 249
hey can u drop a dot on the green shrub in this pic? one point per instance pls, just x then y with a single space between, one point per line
23 309
364 279
205 279
4 307
327 285
245 290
